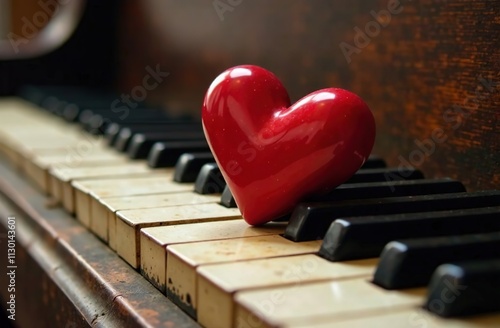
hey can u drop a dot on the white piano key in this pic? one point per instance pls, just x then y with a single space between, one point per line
108 206
61 178
154 241
216 284
338 300
183 260
129 223
89 192
37 167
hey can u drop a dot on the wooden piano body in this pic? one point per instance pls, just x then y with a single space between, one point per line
429 70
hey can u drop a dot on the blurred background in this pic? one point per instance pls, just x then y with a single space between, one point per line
428 69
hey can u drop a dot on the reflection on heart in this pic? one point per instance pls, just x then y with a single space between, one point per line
273 154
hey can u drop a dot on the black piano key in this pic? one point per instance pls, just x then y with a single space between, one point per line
93 103
365 237
189 165
209 180
72 112
69 101
384 174
50 97
90 111
374 162
100 103
80 112
310 221
166 154
114 129
227 198
33 94
391 189
112 132
55 105
128 129
85 114
127 133
51 104
465 288
99 122
141 143
410 263
123 139
83 105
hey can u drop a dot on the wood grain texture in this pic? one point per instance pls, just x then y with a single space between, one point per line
65 277
430 70
29 17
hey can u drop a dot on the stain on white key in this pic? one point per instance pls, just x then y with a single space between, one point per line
216 284
129 223
37 167
155 240
116 186
100 222
338 300
108 206
61 178
183 260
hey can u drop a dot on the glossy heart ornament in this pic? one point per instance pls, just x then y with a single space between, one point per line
273 155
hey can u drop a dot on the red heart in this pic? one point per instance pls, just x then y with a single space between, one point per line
271 154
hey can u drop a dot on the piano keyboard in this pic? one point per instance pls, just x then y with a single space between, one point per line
388 248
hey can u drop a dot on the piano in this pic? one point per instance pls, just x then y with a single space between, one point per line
113 212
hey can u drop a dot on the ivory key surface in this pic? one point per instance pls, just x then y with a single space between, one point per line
154 241
184 259
217 283
62 177
146 185
37 168
338 300
108 206
115 186
129 223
